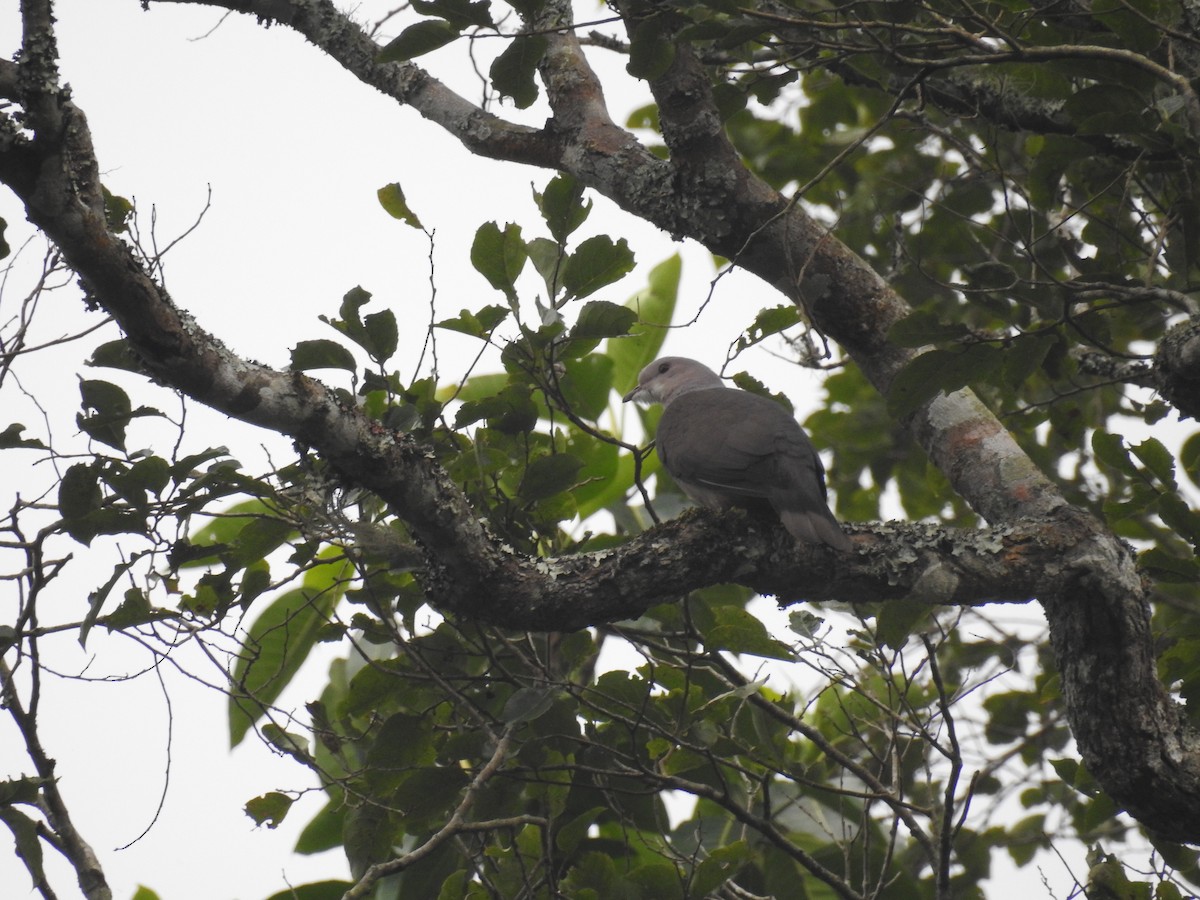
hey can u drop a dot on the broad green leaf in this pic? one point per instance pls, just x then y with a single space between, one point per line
278 642
462 14
269 809
79 492
324 831
921 328
117 211
513 72
499 256
721 864
768 322
549 475
118 354
602 319
1158 459
737 631
417 40
28 843
587 384
548 258
940 372
384 335
11 438
377 333
322 354
562 206
527 704
654 307
479 324
110 412
318 890
651 52
1110 449
1189 458
898 619
391 198
594 264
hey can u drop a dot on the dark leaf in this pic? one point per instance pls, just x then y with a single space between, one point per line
549 475
460 13
596 263
11 438
391 198
513 72
269 809
417 40
499 256
562 206
322 354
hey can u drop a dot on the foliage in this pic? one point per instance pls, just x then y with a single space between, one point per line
1038 207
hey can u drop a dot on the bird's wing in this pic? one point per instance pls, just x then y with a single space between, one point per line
738 443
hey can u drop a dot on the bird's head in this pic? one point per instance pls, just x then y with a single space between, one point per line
670 376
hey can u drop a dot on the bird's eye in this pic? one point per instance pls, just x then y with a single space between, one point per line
663 367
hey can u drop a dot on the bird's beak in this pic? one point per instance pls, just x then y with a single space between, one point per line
635 394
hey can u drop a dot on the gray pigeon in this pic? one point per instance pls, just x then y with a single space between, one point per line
727 447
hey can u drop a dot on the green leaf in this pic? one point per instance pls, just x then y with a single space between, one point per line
324 831
512 411
5 249
898 619
111 412
135 609
479 324
1189 458
269 809
768 322
384 335
721 864
1025 355
118 354
513 71
562 206
921 328
940 372
651 52
462 14
279 641
391 198
322 354
417 40
318 890
28 844
548 258
527 704
499 256
117 211
1158 459
602 319
1110 449
654 308
79 492
596 263
737 631
549 475
377 334
11 438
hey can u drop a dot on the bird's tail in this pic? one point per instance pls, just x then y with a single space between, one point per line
815 527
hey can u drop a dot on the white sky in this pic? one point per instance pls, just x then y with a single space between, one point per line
294 150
